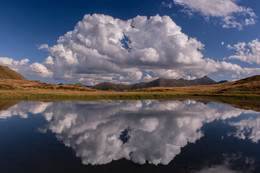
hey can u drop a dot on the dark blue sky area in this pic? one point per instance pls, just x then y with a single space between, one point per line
29 23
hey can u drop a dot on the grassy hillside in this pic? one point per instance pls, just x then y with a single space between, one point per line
244 93
246 86
7 73
25 89
35 86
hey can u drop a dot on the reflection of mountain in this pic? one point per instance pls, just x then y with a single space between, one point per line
100 132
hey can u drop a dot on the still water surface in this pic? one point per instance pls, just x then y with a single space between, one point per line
129 136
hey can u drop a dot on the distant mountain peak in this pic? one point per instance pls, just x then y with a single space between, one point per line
205 77
160 82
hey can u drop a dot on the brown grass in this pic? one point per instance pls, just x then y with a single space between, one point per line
242 94
7 73
247 86
24 89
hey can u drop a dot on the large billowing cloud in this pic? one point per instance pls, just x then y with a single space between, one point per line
103 48
100 132
247 52
231 14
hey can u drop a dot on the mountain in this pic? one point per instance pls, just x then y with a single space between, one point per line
111 86
222 81
7 73
246 85
161 82
249 80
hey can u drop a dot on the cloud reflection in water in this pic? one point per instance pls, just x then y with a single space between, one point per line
142 131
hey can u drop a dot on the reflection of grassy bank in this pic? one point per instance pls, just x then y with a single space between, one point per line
5 104
238 102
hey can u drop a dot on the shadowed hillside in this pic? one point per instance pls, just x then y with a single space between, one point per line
249 85
161 82
7 73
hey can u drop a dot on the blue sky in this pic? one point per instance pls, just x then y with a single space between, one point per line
227 29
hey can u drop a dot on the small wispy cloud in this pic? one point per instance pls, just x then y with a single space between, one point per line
167 4
231 14
43 46
246 52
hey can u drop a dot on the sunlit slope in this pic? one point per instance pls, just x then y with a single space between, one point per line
246 85
12 87
7 73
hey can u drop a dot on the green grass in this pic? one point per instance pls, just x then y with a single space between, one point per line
115 96
90 97
251 102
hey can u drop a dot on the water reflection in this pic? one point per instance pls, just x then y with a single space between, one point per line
247 128
141 131
232 163
21 109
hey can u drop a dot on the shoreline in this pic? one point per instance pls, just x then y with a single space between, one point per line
99 95
243 101
114 95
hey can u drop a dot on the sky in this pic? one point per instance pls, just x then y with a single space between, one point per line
130 41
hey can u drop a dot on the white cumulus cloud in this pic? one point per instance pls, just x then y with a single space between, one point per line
102 48
43 46
105 48
14 64
247 52
39 70
231 14
25 68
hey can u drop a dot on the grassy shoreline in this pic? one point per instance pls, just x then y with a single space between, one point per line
244 101
35 90
101 95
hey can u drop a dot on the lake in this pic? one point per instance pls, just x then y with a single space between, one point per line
129 136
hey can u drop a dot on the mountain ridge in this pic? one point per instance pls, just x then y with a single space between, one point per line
160 82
